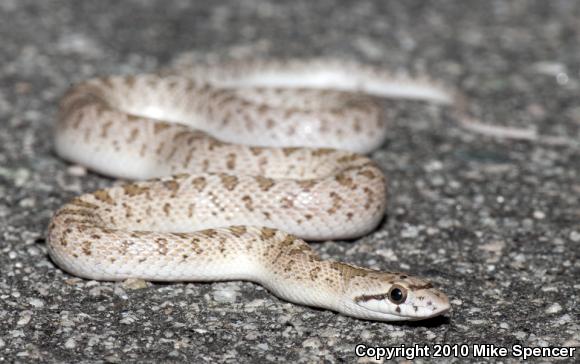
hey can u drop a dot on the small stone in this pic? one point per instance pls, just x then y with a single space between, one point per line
252 336
112 359
17 333
27 202
73 281
455 185
284 319
550 68
25 318
445 223
311 343
564 320
96 291
370 360
410 232
554 308
575 236
94 340
433 166
437 181
226 293
562 78
263 346
539 215
77 171
477 322
494 246
397 333
36 302
388 254
432 231
120 292
571 342
128 319
135 283
70 343
528 223
366 335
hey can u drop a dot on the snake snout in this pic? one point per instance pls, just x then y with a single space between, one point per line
426 303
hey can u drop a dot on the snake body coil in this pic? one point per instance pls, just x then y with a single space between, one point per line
235 211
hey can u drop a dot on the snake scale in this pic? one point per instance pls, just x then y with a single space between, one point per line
242 160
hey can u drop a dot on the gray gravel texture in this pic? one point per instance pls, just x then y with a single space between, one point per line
495 223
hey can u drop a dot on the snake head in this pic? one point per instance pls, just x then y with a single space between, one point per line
395 297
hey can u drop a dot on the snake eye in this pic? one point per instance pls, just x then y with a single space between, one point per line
397 294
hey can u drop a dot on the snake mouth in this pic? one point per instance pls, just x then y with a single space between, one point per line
402 316
436 312
423 313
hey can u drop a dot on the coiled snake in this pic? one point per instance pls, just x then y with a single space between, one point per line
260 155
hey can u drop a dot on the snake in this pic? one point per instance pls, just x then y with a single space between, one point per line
231 167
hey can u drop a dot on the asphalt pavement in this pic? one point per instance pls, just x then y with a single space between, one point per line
493 222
